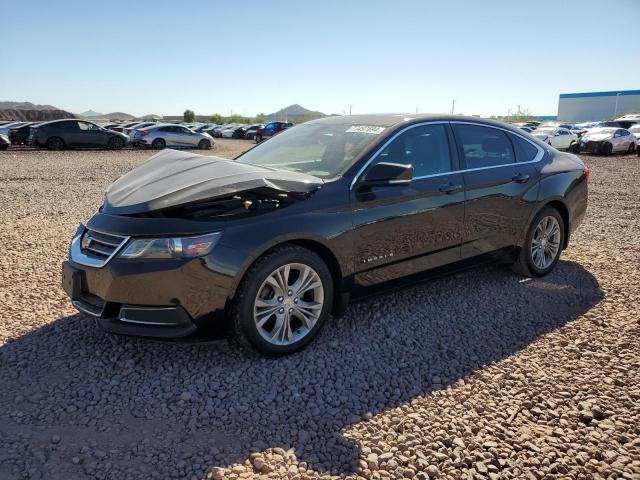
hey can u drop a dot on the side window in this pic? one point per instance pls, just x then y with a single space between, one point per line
425 147
484 146
69 126
624 133
525 151
184 130
87 126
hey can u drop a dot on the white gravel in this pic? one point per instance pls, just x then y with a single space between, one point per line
481 375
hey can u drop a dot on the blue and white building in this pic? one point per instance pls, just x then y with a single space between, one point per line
595 106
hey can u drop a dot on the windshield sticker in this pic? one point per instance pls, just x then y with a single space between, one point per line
366 129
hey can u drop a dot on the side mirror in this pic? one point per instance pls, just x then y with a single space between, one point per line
557 134
385 173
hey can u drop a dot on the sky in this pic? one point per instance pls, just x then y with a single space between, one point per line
251 57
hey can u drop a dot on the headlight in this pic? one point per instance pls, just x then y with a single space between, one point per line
186 247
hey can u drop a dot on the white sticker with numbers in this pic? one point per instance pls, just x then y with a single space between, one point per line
373 130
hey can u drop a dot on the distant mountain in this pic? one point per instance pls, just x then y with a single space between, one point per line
29 112
294 113
113 116
151 116
91 113
24 106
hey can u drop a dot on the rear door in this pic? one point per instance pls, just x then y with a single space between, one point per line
404 229
500 191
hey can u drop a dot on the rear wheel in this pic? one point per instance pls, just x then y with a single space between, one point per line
574 147
283 301
115 143
607 149
158 144
204 144
55 143
543 244
632 147
258 138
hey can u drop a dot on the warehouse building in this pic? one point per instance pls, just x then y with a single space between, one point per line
595 106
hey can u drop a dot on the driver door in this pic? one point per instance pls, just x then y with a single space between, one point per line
405 229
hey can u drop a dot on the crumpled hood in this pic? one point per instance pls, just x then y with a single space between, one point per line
596 136
172 178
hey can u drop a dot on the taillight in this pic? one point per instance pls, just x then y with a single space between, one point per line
587 173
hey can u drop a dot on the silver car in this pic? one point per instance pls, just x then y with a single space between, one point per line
161 136
607 140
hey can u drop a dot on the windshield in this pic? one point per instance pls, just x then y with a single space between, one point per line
322 150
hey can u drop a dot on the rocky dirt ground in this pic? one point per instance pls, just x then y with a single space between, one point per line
480 375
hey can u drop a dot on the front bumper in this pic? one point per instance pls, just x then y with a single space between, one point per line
153 298
592 146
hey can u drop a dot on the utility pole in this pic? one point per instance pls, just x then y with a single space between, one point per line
453 106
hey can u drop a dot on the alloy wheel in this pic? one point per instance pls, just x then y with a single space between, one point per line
545 244
288 304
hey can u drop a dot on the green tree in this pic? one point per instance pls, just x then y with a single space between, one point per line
189 116
216 118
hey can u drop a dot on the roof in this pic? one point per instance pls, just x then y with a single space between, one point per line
600 94
393 119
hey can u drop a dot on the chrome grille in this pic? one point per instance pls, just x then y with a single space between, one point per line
95 248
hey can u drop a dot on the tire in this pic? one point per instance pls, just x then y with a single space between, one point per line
607 149
574 147
528 264
55 143
632 148
4 146
115 143
204 144
159 144
258 138
277 306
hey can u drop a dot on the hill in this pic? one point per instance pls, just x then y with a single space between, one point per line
91 113
30 112
294 113
112 116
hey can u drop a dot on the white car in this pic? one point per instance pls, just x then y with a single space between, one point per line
635 130
557 137
607 140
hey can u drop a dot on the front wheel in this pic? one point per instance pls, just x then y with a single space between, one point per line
607 149
574 147
204 144
632 148
283 301
543 244
258 138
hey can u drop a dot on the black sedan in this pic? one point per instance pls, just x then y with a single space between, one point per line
270 244
61 134
20 134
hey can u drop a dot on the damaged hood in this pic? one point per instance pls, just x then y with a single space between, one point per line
172 178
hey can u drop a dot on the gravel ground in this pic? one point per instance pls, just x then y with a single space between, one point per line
513 379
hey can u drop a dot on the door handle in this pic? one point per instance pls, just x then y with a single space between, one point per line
450 188
520 178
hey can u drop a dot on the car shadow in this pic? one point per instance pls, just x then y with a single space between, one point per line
213 405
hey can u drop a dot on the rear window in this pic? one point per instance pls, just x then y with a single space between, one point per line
525 151
484 146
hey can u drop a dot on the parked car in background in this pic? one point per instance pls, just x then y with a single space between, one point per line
607 140
121 127
558 137
165 135
228 132
61 134
110 126
137 126
19 135
251 130
526 128
270 129
4 129
4 142
635 130
270 244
